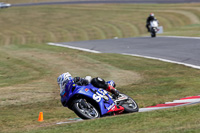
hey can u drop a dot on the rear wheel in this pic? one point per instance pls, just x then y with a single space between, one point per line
130 106
85 109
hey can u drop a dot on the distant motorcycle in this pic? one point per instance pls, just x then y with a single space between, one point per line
89 102
153 28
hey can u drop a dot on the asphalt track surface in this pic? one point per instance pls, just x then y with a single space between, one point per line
185 50
110 2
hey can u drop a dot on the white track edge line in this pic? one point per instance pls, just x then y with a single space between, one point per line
165 60
77 48
136 55
186 37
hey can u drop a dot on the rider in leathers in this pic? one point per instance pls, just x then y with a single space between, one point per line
149 19
97 82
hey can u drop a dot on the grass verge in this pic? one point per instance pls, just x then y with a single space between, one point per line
29 68
149 82
176 120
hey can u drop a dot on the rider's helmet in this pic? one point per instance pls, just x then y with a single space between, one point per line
63 79
151 14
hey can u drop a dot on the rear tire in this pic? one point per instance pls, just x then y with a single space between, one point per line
85 109
130 106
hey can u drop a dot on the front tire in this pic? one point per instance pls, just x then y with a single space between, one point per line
153 34
85 109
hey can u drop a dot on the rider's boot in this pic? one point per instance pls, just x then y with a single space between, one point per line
148 29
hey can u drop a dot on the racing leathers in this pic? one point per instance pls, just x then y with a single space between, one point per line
149 19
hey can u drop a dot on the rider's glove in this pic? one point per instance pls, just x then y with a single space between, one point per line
115 92
77 80
80 81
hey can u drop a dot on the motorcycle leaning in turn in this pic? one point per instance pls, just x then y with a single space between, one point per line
89 102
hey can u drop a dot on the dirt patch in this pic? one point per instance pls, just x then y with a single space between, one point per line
36 91
83 66
57 63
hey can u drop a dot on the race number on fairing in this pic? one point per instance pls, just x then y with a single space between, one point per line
97 97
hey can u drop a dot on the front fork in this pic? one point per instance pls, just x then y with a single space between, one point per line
84 103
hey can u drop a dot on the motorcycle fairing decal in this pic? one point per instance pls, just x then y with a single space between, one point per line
116 109
65 94
86 89
108 108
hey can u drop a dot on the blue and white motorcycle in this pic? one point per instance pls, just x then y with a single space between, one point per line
89 102
153 28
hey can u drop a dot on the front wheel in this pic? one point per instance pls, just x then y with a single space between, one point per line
130 105
153 34
84 109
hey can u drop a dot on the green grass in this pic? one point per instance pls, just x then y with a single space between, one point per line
177 120
29 67
149 82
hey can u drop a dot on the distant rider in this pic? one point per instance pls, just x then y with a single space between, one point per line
65 80
149 19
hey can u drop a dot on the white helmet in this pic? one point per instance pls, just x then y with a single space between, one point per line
151 14
62 80
63 77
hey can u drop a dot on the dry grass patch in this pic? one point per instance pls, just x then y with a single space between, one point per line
42 87
29 93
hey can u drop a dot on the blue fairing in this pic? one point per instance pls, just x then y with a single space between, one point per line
100 96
